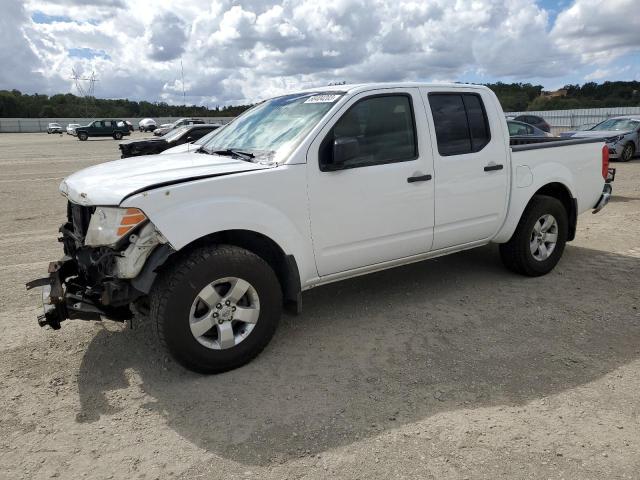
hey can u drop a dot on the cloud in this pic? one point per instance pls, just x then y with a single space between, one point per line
167 37
599 30
240 52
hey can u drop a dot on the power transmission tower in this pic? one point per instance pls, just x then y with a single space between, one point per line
87 92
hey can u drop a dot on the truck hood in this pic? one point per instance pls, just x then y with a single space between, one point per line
110 183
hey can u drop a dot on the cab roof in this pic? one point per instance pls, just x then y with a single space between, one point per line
363 87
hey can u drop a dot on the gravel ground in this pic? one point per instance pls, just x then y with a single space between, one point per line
450 368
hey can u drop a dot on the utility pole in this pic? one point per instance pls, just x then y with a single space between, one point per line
184 101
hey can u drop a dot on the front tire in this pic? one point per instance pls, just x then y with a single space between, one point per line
627 152
539 240
117 136
216 308
82 136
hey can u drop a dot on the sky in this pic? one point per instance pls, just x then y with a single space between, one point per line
239 52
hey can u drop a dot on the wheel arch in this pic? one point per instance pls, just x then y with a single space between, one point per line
284 265
560 192
556 189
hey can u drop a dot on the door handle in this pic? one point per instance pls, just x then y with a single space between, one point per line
490 168
419 178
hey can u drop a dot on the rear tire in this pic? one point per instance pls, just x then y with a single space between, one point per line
530 250
177 296
82 136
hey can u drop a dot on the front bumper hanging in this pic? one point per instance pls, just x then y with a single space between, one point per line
60 302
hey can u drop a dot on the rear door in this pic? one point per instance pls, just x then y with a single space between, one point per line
470 163
377 206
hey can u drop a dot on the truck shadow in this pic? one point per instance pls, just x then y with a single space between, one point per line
376 352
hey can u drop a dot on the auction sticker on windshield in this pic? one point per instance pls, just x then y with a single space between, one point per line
322 99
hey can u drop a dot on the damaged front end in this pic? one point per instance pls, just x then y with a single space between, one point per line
93 281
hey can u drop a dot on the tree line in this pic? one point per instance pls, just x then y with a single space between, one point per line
513 97
516 97
16 104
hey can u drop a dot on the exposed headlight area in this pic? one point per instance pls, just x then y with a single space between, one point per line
615 139
109 225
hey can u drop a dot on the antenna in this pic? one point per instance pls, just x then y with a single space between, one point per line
88 92
184 101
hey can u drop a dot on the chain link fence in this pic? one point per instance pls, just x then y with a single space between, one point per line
26 125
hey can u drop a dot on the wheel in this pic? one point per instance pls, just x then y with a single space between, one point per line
538 242
627 152
48 132
82 136
117 135
216 308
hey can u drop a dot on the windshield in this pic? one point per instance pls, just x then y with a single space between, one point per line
174 134
54 124
274 127
618 124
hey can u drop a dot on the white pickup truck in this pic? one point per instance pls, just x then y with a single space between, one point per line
306 189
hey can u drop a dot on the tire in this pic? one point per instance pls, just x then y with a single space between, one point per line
48 132
627 152
82 136
117 135
174 299
517 254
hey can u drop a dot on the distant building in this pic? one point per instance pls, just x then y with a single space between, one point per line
558 93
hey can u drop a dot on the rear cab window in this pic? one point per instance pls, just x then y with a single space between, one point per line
460 122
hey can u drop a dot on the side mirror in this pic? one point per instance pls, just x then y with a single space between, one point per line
189 139
344 149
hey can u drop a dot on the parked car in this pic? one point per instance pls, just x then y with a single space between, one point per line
195 145
54 128
178 123
178 136
103 128
534 120
622 135
71 128
147 125
306 189
521 129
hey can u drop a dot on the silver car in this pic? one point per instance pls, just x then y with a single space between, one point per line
622 135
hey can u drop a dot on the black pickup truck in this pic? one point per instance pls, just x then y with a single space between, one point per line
103 128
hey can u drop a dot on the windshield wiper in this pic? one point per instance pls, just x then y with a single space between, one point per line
234 152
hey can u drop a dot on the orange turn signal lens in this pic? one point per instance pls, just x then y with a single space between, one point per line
131 218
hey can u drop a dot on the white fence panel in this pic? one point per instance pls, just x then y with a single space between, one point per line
17 125
564 120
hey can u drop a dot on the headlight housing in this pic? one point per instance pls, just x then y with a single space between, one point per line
615 139
109 224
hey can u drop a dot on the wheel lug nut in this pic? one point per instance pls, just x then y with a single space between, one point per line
233 309
215 314
220 322
219 306
227 303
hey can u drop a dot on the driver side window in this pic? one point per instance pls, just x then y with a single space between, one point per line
374 131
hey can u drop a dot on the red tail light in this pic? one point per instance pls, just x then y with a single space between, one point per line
605 162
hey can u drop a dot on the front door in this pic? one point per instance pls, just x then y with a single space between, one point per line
471 165
377 205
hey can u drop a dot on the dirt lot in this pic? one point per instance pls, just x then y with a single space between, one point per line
450 368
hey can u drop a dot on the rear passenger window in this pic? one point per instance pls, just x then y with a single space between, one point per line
460 122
